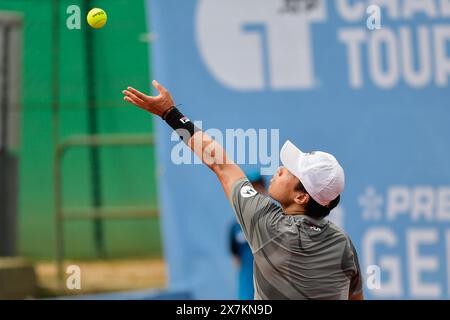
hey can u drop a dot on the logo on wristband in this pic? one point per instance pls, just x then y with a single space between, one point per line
184 120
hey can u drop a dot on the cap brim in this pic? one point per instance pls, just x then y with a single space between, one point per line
290 157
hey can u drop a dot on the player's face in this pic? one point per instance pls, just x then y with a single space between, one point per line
282 186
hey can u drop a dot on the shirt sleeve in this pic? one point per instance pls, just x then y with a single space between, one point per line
257 214
352 268
234 247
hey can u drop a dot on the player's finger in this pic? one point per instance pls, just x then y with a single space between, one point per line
139 103
128 99
137 93
159 87
132 96
133 101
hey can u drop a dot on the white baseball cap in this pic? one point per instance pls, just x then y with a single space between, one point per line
319 172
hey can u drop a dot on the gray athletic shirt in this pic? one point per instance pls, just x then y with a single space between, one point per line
295 256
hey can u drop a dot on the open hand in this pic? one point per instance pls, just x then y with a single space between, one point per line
157 105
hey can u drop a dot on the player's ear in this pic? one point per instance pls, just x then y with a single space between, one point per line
301 198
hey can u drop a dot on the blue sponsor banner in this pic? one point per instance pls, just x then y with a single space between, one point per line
369 86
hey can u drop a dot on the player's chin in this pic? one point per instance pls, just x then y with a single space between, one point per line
270 189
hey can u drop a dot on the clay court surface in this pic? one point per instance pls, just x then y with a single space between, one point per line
105 276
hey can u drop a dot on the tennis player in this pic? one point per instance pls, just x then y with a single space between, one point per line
298 253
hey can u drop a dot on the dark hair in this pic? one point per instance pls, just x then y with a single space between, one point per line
314 209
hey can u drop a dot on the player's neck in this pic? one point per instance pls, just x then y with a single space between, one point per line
293 209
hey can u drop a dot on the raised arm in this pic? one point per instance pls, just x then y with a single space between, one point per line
208 150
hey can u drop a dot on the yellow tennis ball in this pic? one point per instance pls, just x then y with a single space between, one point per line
97 18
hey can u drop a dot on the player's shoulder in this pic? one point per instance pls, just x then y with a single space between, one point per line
242 191
243 188
341 234
335 228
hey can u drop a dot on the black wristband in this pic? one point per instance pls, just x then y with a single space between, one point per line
181 124
165 113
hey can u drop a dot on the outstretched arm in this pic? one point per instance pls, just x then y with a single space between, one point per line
208 150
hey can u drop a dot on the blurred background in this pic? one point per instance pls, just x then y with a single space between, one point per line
59 84
90 182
